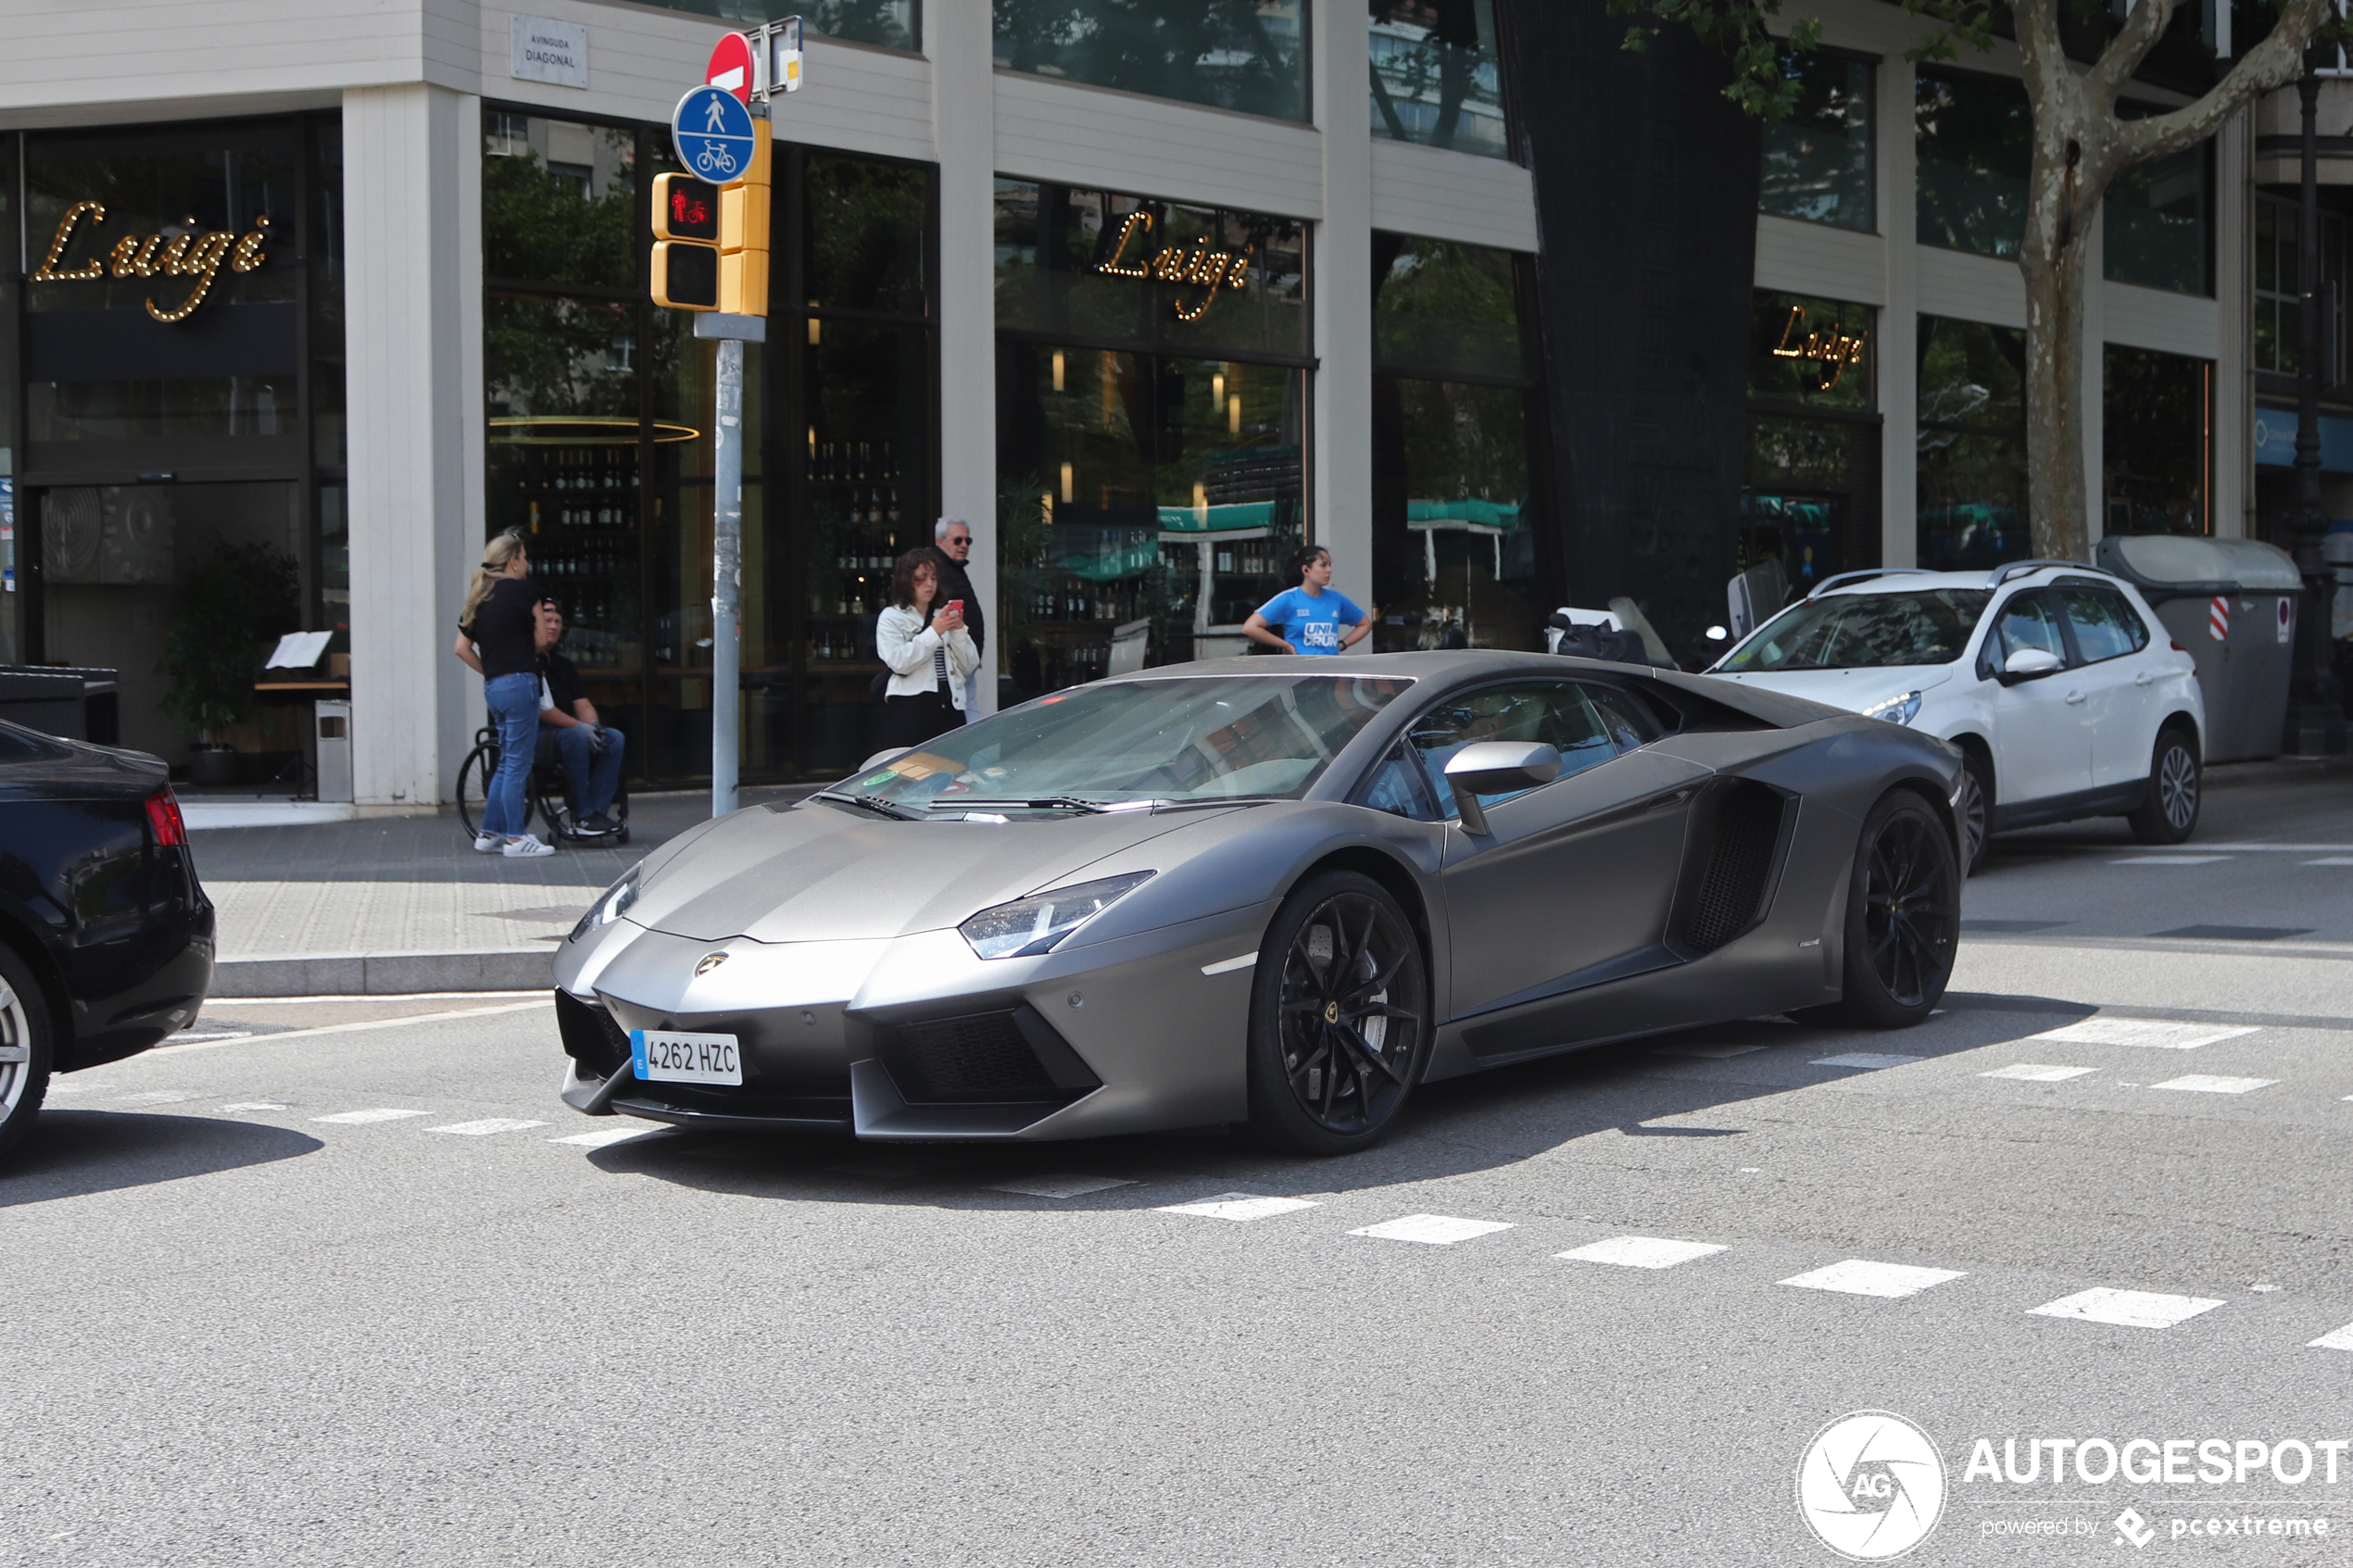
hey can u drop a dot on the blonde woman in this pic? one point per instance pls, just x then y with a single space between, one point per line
929 650
496 632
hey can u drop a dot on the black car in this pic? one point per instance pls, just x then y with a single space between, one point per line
105 936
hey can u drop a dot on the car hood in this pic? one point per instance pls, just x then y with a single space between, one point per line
827 874
1852 689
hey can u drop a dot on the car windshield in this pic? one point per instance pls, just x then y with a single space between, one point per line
1866 631
1184 740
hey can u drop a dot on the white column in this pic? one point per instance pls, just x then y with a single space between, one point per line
1340 429
1898 351
958 38
412 171
2232 505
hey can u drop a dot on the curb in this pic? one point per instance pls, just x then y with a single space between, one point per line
385 974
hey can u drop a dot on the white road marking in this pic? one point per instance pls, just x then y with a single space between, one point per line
1239 1206
1639 1253
2126 1308
1859 1276
2331 860
257 1105
1435 1230
189 1037
56 1088
361 1118
1060 1186
2285 848
343 1028
604 1136
157 1097
2036 1073
1228 966
1869 1058
2156 1031
486 1126
2207 1084
2339 1339
1707 1053
2169 860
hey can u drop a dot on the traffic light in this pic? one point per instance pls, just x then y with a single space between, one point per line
687 251
743 234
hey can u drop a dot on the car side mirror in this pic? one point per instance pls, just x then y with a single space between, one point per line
2029 664
1497 767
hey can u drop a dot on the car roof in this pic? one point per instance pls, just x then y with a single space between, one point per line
1901 580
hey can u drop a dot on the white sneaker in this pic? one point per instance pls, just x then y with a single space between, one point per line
489 843
526 847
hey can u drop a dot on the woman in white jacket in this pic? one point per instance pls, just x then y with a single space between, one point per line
928 651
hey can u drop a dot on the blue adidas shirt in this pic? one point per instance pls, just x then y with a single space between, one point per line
1311 622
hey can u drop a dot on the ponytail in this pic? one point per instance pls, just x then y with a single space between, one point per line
494 557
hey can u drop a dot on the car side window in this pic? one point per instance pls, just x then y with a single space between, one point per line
1555 712
2026 621
1395 786
2105 627
1627 717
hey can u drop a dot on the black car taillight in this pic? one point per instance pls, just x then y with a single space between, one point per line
163 815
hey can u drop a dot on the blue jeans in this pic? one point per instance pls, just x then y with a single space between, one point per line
595 775
514 710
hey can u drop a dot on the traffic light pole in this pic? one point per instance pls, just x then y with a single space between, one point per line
726 579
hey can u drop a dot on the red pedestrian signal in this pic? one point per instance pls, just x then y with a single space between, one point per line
686 209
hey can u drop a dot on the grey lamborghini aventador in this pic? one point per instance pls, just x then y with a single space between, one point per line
1275 892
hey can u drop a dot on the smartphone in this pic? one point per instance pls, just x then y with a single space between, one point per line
956 605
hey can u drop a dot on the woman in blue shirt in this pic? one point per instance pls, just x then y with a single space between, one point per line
1313 617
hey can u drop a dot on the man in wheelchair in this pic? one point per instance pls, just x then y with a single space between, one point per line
569 730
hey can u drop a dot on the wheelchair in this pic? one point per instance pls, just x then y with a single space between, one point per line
547 795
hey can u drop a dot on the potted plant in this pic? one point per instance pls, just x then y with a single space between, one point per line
240 595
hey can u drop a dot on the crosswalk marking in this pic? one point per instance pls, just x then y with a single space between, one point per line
1641 1252
2169 860
1239 1206
1705 1053
2207 1084
1433 1230
1869 1058
158 1097
257 1105
602 1137
1059 1187
2097 1030
1859 1276
361 1118
2037 1073
2126 1308
486 1126
2335 1340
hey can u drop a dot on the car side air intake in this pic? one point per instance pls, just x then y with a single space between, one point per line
1741 830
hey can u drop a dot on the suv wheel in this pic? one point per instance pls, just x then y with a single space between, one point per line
2170 814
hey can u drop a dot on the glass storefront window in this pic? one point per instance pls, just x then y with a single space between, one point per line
1445 308
1811 481
1972 445
1246 54
559 202
1975 141
2278 261
1818 161
1112 267
895 24
2155 220
1435 76
327 395
2156 442
864 235
1149 502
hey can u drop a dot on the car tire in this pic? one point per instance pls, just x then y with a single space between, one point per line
2176 775
1975 810
1340 980
1902 917
25 1047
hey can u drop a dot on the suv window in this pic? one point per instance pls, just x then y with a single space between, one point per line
1555 712
2106 626
2029 621
1866 631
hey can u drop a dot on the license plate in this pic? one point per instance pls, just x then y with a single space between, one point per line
667 1055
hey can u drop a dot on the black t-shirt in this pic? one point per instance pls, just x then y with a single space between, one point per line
564 684
503 627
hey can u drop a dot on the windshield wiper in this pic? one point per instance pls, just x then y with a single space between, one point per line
1048 803
868 803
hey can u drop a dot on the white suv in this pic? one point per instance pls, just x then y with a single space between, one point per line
2063 690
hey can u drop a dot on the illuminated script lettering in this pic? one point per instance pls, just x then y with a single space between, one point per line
188 253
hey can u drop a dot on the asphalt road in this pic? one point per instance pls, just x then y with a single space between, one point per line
248 1322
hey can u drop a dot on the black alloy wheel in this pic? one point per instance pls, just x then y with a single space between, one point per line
1903 915
2170 814
1339 1024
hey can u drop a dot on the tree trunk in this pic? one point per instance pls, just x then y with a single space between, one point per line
2055 259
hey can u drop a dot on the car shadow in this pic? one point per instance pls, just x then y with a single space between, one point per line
1690 1085
77 1153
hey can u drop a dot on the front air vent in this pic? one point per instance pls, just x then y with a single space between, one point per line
1740 832
591 1036
1009 1057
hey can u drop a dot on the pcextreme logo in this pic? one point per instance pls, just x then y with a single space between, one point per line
1872 1486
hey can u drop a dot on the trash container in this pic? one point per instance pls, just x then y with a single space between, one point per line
2231 603
59 700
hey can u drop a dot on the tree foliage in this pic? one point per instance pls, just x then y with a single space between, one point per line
241 595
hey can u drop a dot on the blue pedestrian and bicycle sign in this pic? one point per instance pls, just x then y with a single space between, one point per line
713 131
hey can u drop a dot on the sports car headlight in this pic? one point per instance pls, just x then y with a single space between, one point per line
1028 927
1895 709
612 906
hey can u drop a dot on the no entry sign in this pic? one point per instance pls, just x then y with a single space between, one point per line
730 69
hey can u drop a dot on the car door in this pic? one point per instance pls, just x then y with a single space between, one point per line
1572 878
2118 685
2041 726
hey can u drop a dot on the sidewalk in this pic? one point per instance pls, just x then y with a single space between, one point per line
391 905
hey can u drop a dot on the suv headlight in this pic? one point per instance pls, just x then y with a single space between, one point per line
1895 709
1028 927
612 906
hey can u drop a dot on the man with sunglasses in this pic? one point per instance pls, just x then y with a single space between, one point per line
591 750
